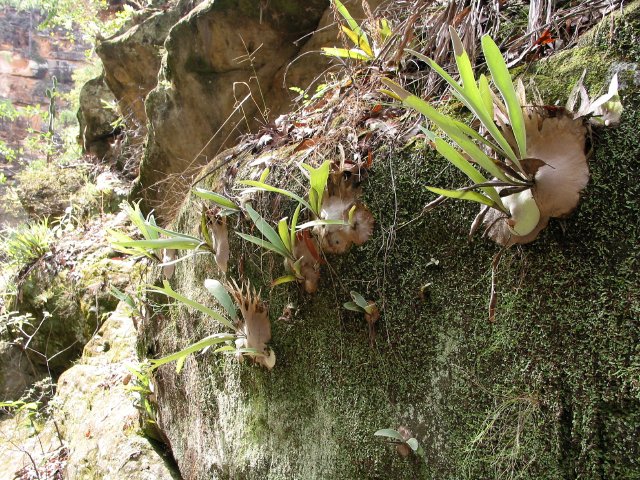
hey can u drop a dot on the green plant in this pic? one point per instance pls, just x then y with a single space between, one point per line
127 299
536 171
505 438
251 315
364 49
152 244
293 242
227 206
477 97
112 106
281 242
359 304
27 243
321 90
65 223
368 308
8 111
71 16
403 441
42 143
140 386
318 178
52 94
30 410
9 154
12 324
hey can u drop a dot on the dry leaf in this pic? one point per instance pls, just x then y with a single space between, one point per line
255 323
306 250
221 242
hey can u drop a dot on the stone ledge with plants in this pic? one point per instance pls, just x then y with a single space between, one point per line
464 394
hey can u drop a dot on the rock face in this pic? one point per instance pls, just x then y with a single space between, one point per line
132 60
67 293
17 373
97 131
217 81
547 391
225 69
95 418
29 58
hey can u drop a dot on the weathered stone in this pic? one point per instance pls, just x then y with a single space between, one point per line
96 121
17 372
304 71
46 191
68 295
131 62
29 58
95 417
217 81
549 390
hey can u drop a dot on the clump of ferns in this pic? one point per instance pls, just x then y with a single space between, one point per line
249 332
337 220
536 156
533 155
161 245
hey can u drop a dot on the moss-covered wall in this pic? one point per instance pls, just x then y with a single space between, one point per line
550 390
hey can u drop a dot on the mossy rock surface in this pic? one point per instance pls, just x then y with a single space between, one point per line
46 190
68 295
550 390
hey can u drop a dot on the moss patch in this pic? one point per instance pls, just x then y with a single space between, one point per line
545 392
46 190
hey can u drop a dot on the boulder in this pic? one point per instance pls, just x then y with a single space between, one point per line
548 390
131 60
97 417
216 82
93 431
97 122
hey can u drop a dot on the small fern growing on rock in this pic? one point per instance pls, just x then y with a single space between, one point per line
534 156
251 331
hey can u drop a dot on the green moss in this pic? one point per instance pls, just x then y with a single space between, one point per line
96 275
610 47
46 190
554 372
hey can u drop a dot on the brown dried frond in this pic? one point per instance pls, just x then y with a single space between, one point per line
559 141
343 196
221 241
169 255
422 25
306 250
255 324
497 229
556 155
